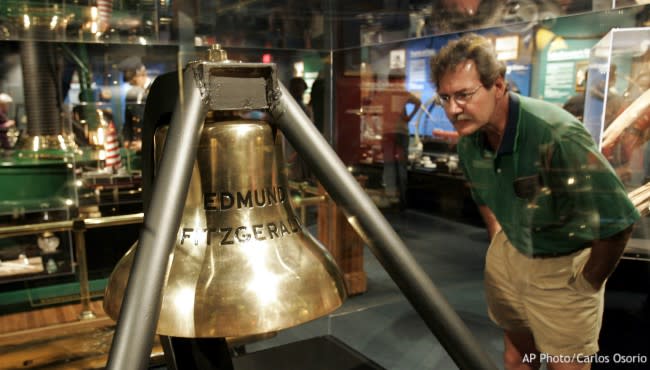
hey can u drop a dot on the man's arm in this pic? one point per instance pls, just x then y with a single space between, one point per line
605 254
412 99
8 123
493 226
583 162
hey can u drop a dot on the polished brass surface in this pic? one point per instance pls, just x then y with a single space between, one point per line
242 263
217 54
34 146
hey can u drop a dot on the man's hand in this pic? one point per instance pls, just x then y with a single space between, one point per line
493 226
605 254
8 124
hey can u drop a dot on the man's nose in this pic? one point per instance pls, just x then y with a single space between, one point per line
453 107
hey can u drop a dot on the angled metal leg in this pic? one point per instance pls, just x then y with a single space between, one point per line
382 240
140 311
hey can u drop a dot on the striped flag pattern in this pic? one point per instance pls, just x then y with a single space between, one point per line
112 148
104 10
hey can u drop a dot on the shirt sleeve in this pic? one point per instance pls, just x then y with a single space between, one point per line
586 190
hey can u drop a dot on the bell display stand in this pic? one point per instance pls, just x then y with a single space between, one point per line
252 86
325 352
318 353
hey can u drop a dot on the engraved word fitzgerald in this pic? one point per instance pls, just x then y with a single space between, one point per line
242 234
228 234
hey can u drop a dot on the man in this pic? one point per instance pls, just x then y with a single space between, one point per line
557 215
136 96
398 106
298 169
6 123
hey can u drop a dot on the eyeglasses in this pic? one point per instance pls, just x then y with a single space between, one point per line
460 97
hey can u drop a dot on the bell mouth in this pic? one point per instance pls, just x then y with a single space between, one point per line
242 263
248 298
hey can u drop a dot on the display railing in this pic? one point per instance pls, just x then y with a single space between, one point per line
78 227
307 195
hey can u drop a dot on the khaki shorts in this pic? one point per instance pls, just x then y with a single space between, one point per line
546 296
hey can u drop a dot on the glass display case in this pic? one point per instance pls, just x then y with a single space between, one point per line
75 78
617 109
616 112
615 106
392 132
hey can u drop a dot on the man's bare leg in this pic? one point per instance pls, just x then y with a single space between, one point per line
520 352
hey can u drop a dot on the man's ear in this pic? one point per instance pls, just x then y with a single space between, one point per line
501 86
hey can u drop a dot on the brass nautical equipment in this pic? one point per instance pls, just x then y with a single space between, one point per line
46 136
242 263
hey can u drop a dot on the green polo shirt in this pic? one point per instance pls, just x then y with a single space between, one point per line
548 185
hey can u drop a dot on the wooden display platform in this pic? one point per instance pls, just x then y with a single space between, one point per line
54 338
85 345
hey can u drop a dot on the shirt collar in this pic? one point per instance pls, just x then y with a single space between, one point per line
510 133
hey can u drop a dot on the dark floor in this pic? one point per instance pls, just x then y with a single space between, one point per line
379 329
382 326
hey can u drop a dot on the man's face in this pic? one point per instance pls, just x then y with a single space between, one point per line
468 104
140 78
462 8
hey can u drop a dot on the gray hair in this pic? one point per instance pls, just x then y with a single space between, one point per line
469 47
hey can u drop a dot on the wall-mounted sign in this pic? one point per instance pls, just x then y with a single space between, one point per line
398 59
507 47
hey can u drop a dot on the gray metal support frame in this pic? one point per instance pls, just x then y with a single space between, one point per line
141 306
140 310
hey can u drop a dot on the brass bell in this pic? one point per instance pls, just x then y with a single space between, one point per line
242 263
